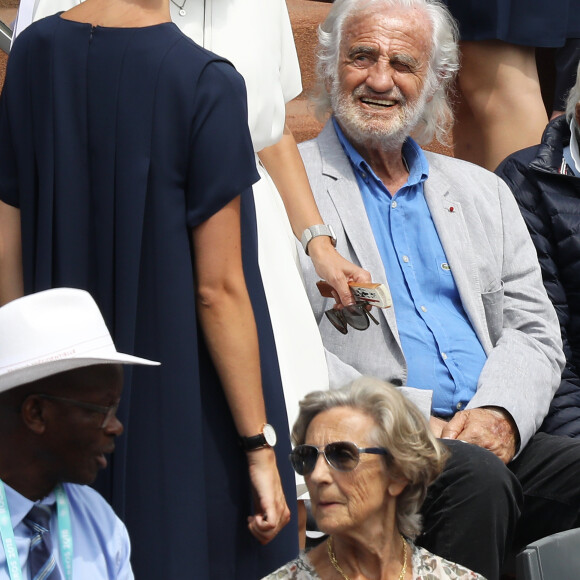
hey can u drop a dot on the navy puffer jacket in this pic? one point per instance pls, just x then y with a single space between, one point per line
550 204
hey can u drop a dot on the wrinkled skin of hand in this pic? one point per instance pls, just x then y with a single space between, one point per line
489 427
271 512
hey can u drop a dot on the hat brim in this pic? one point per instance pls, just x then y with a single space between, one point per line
28 374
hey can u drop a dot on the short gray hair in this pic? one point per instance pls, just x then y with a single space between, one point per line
573 97
415 454
443 60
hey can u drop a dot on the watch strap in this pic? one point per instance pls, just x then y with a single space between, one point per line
267 438
253 442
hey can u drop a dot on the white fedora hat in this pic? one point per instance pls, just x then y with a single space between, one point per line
53 331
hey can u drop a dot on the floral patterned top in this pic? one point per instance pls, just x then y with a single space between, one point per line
426 566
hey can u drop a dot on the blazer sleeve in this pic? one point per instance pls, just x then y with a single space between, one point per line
524 367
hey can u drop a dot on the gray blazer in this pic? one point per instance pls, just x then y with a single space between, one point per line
495 267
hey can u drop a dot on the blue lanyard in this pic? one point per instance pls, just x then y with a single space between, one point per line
64 532
7 532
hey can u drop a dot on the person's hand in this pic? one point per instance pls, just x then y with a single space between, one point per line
492 428
335 269
437 425
271 511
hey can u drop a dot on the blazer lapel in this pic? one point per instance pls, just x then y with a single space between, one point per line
345 195
450 224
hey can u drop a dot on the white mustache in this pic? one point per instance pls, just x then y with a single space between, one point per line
393 95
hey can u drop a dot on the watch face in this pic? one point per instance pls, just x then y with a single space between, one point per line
269 434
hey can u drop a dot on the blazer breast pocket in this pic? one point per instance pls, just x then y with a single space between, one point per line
493 306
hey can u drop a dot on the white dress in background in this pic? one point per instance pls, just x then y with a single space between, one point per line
256 36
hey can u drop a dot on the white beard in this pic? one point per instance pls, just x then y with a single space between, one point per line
367 128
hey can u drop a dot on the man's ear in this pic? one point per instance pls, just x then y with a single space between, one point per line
33 413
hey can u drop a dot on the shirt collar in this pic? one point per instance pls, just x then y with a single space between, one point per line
413 154
19 505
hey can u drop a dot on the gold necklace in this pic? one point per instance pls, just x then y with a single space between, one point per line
334 561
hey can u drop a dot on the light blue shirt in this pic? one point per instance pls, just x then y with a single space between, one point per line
100 540
441 348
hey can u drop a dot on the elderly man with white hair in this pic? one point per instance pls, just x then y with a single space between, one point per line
471 320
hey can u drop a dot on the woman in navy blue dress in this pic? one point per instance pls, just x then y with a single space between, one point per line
126 163
501 109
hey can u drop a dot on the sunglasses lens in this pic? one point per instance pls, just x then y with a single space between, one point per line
337 320
356 316
342 455
303 459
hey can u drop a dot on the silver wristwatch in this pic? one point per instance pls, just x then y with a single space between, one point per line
314 231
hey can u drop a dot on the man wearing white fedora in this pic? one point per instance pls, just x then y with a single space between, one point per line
60 384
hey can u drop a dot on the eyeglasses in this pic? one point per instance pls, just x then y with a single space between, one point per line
340 455
108 412
356 315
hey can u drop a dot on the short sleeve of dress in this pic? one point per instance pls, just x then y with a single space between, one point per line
289 65
221 158
256 36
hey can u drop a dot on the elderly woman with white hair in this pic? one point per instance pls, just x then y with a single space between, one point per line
367 456
545 180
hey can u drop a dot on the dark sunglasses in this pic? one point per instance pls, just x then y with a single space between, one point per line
340 455
355 315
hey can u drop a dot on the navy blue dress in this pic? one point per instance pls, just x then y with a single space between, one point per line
114 144
545 23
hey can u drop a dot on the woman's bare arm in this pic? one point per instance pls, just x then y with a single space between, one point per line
285 167
226 317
